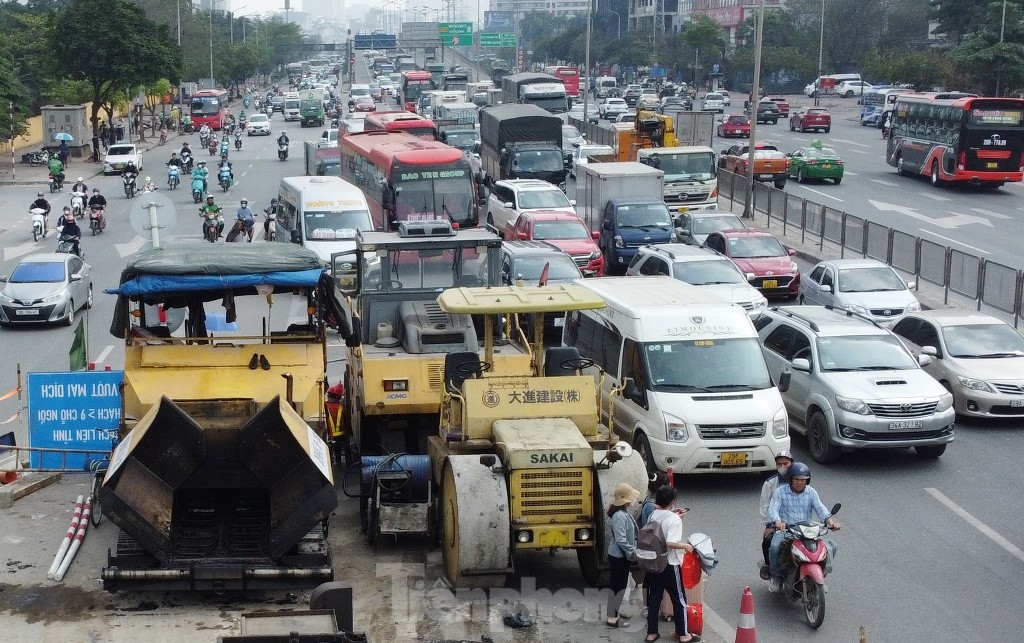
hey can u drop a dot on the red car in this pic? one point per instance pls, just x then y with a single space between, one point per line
364 104
768 264
781 103
808 118
734 125
565 231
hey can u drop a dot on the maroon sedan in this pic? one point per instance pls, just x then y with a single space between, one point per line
768 264
734 125
811 118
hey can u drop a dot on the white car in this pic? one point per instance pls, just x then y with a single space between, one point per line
329 138
851 88
865 286
583 152
612 107
713 102
259 125
509 199
118 156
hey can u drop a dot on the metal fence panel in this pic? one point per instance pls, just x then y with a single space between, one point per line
878 241
815 220
963 273
999 287
933 262
779 200
904 252
762 197
833 230
854 237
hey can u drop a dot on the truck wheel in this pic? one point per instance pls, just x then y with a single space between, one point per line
780 183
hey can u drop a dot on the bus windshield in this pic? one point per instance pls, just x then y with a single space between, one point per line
438 198
205 105
707 365
415 89
682 167
340 224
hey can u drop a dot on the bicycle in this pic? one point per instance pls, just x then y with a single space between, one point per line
99 467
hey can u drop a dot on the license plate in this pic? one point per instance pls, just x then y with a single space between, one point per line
907 424
764 176
1016 403
682 209
734 459
992 166
770 283
559 322
826 167
26 311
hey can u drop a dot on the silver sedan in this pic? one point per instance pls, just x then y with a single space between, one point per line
49 287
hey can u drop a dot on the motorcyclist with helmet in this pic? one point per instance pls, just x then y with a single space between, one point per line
792 503
783 460
201 172
245 216
80 186
204 133
282 139
149 186
212 208
268 211
225 164
42 204
70 230
97 201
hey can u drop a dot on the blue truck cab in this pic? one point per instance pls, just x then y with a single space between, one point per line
628 223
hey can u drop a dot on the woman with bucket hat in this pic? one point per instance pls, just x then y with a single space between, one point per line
621 550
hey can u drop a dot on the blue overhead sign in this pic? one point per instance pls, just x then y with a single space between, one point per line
375 41
499 20
79 410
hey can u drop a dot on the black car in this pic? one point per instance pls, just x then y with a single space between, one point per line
675 103
632 96
767 112
277 103
526 260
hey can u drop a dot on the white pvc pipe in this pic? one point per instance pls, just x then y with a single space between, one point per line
76 543
67 538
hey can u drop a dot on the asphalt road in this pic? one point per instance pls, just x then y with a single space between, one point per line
930 550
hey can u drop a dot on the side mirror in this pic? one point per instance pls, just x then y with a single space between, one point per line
924 360
595 235
791 252
911 285
630 390
836 507
572 202
750 276
75 277
507 204
785 379
825 288
297 236
801 364
3 278
930 351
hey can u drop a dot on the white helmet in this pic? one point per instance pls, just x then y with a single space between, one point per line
80 179
148 179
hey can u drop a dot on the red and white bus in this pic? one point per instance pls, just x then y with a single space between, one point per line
407 122
414 83
568 75
405 178
209 107
958 139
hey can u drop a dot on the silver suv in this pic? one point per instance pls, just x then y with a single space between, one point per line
853 384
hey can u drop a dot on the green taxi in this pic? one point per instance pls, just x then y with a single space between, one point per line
815 162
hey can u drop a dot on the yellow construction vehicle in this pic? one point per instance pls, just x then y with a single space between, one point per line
648 129
521 459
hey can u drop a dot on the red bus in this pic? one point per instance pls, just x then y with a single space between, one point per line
958 138
209 107
405 178
568 75
414 83
401 122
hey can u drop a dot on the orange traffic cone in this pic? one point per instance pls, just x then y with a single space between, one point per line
8 477
746 632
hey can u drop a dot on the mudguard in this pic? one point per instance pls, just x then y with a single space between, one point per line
814 571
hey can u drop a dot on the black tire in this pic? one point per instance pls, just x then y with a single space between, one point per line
70 319
930 452
88 301
792 127
35 235
900 169
800 175
818 440
828 129
96 513
838 180
814 603
934 175
590 568
780 183
643 446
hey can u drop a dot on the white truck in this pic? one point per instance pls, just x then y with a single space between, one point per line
691 176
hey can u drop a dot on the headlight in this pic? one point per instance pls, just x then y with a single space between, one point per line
945 401
780 424
914 307
675 429
854 308
760 304
52 298
853 405
595 255
793 267
975 385
5 299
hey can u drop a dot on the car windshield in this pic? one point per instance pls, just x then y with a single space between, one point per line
537 199
38 272
708 273
461 140
713 97
258 118
825 153
427 268
559 230
340 224
360 91
755 247
643 215
707 225
121 150
983 340
863 353
707 365
880 279
570 131
560 268
817 112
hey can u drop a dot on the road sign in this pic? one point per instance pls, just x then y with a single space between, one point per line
375 41
455 33
497 39
73 411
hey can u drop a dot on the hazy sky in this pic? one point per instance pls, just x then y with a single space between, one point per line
248 7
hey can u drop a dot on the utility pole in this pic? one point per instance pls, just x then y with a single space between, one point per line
999 67
586 64
821 51
748 202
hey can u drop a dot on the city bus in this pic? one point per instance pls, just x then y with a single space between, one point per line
209 107
568 75
414 83
405 178
956 138
401 122
877 101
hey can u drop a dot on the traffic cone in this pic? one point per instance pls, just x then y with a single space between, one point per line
746 632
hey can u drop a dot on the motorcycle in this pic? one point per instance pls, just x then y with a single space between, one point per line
39 228
97 222
808 560
269 111
224 148
41 157
173 176
224 178
66 245
211 145
186 162
242 125
198 189
204 139
282 151
211 228
129 185
55 183
270 226
78 204
238 141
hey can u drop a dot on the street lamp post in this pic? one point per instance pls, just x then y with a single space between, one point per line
748 202
586 64
232 18
821 51
1002 31
618 22
179 22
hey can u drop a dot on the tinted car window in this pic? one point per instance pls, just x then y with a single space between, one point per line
780 340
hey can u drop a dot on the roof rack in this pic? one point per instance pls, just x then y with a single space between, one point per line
789 312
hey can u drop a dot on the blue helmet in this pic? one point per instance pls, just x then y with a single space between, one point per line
799 470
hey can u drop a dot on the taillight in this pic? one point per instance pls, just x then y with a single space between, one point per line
1022 162
961 161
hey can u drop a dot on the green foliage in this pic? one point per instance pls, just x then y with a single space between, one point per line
922 69
13 98
990 65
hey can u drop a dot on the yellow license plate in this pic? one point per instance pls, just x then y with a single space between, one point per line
734 459
991 166
770 283
826 167
682 209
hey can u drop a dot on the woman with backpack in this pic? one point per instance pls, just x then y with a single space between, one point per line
621 550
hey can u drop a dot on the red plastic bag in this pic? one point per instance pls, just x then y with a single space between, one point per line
695 618
690 570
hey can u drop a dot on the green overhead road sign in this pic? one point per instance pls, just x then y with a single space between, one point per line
456 33
497 40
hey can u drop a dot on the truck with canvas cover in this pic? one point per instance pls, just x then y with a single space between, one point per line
521 142
223 475
521 459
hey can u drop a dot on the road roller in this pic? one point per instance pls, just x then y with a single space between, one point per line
521 459
222 477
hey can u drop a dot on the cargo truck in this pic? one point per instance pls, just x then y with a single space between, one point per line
691 179
521 142
623 201
322 160
543 90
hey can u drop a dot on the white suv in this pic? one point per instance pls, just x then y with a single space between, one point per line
851 88
612 107
853 384
509 199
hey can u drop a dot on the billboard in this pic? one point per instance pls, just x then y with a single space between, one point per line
499 20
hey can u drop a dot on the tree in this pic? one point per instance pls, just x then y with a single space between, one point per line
957 18
13 97
120 51
155 93
994 66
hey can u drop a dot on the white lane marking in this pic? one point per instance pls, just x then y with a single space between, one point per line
857 151
843 140
881 182
849 173
102 357
936 234
719 624
989 213
131 247
818 192
934 197
1013 550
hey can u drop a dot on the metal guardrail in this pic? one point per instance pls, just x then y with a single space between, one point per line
970 280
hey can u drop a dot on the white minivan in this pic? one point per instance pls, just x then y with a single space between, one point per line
683 374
